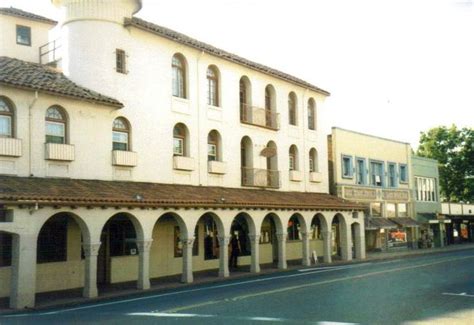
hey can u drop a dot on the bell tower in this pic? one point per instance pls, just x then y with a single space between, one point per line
91 31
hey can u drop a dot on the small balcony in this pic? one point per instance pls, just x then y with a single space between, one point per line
124 158
10 147
259 117
183 163
217 167
59 151
260 177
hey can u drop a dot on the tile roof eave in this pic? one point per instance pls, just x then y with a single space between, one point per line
170 204
241 61
14 12
117 105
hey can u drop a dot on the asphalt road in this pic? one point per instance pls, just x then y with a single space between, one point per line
429 289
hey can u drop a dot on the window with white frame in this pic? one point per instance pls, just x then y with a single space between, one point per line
391 210
292 116
376 173
402 210
347 168
6 119
56 125
121 134
376 209
425 188
311 114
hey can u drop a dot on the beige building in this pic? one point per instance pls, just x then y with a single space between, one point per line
375 172
138 153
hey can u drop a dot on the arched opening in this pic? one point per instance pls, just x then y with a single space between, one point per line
121 134
336 236
214 146
246 161
270 107
56 125
60 254
6 245
317 229
170 235
293 158
240 245
213 86
311 114
117 260
313 161
296 229
7 118
271 225
272 176
181 145
179 76
245 100
292 109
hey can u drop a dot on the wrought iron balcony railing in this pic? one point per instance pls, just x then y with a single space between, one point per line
259 116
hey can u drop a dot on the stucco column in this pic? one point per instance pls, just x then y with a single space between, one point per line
346 241
327 238
359 243
306 255
144 247
91 251
223 256
23 272
281 250
255 250
187 276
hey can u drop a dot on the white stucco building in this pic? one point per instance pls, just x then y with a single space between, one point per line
138 152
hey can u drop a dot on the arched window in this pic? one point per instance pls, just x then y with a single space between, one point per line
292 118
56 125
213 146
121 134
6 119
245 99
293 157
179 76
270 109
212 86
313 160
311 114
180 139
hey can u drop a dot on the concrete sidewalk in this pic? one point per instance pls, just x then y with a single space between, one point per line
74 297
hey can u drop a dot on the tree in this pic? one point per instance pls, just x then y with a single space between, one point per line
454 150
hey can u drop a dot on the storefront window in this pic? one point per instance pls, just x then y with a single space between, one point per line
315 230
266 234
391 210
240 230
376 209
178 245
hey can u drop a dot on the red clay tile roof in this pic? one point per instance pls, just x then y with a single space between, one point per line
54 191
191 42
34 76
27 15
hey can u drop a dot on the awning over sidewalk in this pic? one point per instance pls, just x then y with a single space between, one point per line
379 223
405 222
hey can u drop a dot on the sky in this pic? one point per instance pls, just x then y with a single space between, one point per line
394 68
